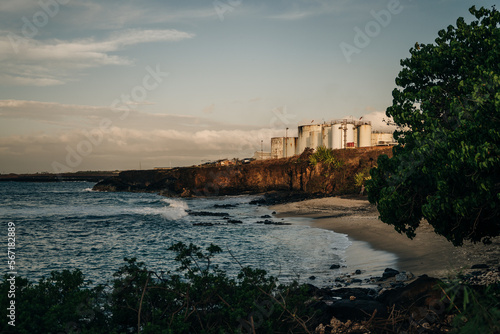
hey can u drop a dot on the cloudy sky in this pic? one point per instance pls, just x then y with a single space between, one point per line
118 84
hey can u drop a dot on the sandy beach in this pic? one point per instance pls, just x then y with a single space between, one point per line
428 253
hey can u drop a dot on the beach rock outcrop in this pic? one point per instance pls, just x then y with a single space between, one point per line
357 309
389 272
422 292
293 176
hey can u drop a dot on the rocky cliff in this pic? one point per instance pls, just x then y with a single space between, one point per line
295 174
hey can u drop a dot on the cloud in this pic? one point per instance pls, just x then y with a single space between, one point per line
26 81
299 10
209 109
78 116
379 121
14 6
89 149
293 15
158 138
96 14
304 9
51 62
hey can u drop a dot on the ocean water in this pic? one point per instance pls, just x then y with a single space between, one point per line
67 226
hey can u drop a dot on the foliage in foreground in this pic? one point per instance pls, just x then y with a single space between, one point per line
478 308
446 168
197 298
201 298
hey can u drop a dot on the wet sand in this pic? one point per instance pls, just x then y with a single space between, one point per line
428 253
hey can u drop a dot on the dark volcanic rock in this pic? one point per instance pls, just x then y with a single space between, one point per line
389 272
112 184
335 266
282 180
421 292
270 222
480 266
204 224
208 214
359 293
357 309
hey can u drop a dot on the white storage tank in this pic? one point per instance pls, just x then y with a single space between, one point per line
326 135
343 134
337 135
349 136
365 135
290 146
302 138
277 146
315 136
309 136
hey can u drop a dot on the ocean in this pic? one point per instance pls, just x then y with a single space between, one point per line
66 225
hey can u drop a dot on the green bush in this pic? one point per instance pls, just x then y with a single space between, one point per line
361 177
477 308
59 303
326 156
197 297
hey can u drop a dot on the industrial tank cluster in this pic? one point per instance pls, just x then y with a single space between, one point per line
336 134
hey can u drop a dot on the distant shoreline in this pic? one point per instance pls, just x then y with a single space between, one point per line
64 177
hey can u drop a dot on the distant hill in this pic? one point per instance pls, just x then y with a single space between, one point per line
91 176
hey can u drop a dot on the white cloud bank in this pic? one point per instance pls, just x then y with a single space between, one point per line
91 138
31 62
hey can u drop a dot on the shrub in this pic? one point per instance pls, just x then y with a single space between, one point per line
197 297
326 156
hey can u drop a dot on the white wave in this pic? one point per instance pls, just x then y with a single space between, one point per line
176 209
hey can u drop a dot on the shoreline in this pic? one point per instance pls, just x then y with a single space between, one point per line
428 253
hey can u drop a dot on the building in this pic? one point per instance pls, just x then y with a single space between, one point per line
383 139
283 147
259 155
335 134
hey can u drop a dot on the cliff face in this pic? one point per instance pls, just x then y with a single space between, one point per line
293 174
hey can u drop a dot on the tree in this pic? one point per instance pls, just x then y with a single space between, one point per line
446 166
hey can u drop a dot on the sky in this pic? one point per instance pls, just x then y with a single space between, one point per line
129 84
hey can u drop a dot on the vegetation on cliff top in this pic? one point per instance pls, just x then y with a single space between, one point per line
446 168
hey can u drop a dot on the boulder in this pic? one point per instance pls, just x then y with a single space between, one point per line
357 309
480 266
422 292
401 277
389 272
